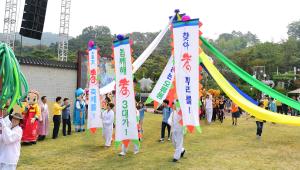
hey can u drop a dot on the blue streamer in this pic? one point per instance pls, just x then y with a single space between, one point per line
246 96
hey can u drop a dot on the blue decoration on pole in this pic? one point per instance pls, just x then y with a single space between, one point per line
120 37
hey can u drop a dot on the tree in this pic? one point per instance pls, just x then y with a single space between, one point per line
294 29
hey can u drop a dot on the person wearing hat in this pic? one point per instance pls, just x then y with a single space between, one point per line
79 111
10 141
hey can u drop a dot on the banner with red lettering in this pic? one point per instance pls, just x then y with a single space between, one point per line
94 115
186 54
126 122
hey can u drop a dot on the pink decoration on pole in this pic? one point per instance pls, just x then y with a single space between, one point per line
91 44
186 18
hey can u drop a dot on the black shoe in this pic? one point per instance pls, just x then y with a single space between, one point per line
33 143
26 143
182 153
175 160
83 130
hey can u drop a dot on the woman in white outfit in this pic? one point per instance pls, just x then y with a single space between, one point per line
10 141
208 107
108 120
177 133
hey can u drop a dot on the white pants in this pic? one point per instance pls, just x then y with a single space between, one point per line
79 127
7 166
177 140
209 112
107 134
125 150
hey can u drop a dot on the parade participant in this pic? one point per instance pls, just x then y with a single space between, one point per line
31 116
43 126
166 114
235 113
66 117
221 110
108 120
228 105
177 133
136 148
259 124
10 141
208 107
142 110
86 101
79 111
272 105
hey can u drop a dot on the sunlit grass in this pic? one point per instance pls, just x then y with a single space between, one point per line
220 146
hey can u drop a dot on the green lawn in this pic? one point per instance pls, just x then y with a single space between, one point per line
220 146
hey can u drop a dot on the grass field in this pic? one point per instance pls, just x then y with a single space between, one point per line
219 146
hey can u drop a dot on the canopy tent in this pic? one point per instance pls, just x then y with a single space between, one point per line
297 91
146 84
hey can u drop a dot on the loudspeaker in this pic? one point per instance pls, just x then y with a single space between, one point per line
33 18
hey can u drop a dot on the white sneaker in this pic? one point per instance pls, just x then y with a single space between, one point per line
258 137
122 154
135 152
169 139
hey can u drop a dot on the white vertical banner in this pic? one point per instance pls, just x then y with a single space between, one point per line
126 123
94 114
186 54
164 83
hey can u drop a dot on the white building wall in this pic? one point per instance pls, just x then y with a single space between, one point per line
51 82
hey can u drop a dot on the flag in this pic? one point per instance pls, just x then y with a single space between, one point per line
126 123
186 55
94 115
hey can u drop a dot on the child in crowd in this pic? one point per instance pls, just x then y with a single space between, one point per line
272 105
177 133
108 120
10 141
66 118
142 110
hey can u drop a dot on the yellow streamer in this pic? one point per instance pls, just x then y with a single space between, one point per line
249 107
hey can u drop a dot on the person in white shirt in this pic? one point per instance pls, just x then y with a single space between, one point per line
177 133
136 148
208 107
10 141
108 120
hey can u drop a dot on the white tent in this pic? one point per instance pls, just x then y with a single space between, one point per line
297 91
146 84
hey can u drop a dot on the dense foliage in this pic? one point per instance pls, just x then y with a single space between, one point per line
245 49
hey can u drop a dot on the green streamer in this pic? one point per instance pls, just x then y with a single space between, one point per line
12 78
249 79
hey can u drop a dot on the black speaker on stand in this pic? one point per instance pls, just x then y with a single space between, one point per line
33 18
